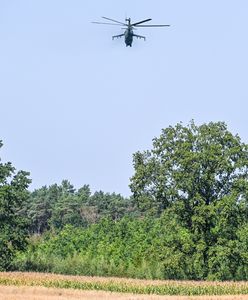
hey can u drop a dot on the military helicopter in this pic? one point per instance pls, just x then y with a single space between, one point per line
129 28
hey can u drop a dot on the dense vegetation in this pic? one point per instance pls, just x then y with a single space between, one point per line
55 206
187 217
13 226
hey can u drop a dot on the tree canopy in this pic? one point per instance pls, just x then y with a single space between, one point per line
200 175
13 226
192 165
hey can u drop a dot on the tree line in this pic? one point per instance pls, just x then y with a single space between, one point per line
187 217
55 206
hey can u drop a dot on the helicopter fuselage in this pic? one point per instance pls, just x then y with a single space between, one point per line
128 37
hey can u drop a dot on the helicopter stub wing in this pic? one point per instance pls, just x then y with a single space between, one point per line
117 36
139 36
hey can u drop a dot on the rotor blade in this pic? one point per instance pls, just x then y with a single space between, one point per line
106 23
126 28
114 21
151 25
147 20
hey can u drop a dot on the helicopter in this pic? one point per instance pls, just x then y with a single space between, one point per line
129 29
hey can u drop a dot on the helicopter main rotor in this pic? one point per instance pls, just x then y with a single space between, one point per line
137 24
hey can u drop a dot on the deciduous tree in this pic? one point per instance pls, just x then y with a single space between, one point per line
13 226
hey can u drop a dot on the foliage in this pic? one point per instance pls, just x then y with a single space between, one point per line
200 174
13 226
187 218
55 206
191 165
150 248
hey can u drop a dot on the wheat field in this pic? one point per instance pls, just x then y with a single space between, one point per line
22 286
42 293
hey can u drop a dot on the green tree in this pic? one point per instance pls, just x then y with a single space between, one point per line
193 165
13 226
113 205
40 207
69 207
201 174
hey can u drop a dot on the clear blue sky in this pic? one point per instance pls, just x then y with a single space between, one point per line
76 105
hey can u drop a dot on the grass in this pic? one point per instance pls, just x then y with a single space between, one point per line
134 286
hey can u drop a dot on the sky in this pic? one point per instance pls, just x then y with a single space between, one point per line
76 105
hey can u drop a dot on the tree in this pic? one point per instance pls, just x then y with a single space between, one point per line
68 209
40 207
201 174
13 226
190 164
112 206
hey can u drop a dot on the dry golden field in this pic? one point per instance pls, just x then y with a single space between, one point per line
22 286
42 293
